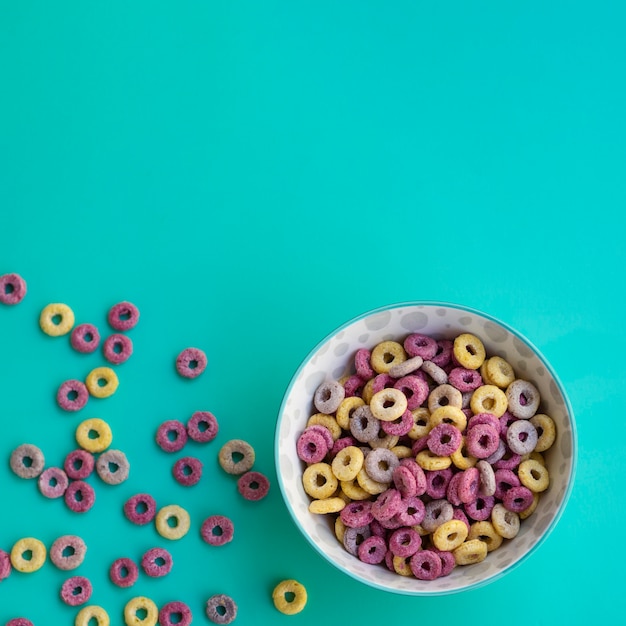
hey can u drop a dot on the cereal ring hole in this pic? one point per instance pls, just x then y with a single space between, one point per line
160 561
124 315
102 382
488 404
93 434
72 395
68 551
118 347
27 555
217 530
141 507
176 617
535 474
236 456
53 482
27 461
9 288
78 495
172 521
113 467
193 364
123 572
56 319
141 613
289 596
523 400
88 337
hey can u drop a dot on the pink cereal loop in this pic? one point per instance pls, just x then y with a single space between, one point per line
123 316
414 388
362 364
421 345
12 289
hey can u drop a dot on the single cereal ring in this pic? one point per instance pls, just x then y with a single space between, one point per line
420 345
364 427
85 338
464 379
546 431
253 485
5 565
404 542
123 316
429 461
327 505
523 398
79 464
89 613
437 483
533 475
425 565
518 499
388 504
172 522
79 496
486 532
328 396
113 467
140 509
469 351
221 609
236 457
56 319
68 552
499 372
141 611
505 479
450 535
505 522
202 426
76 590
357 514
347 463
354 385
406 367
27 461
102 382
289 597
362 364
157 562
444 395
187 471
412 512
480 509
53 482
369 484
175 613
380 463
436 512
124 572
388 404
404 481
471 551
444 439
311 446
12 289
385 355
72 395
482 440
171 436
437 373
489 399
319 481
94 435
414 388
521 437
449 415
191 362
28 555
372 550
117 348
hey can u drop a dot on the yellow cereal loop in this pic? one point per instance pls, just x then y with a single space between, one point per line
448 415
461 458
28 555
546 431
531 509
345 410
488 399
486 532
56 319
328 421
450 535
484 374
499 372
172 522
340 529
402 566
85 616
533 475
102 382
369 484
388 405
469 351
319 481
289 597
94 435
471 551
141 611
429 461
385 355
402 452
353 490
368 391
348 463
421 423
333 504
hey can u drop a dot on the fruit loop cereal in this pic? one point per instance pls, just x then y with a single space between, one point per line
117 348
172 522
431 456
236 457
68 552
5 565
217 530
72 395
202 427
123 316
175 613
221 609
53 482
80 496
19 621
12 289
85 338
28 555
191 362
94 435
187 471
76 590
90 615
102 382
171 436
27 461
140 509
289 597
113 467
56 320
123 572
141 611
79 464
157 562
253 485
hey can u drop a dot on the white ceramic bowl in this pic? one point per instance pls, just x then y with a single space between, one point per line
333 356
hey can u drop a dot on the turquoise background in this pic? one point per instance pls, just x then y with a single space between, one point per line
253 174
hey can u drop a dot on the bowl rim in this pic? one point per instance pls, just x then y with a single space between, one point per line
459 307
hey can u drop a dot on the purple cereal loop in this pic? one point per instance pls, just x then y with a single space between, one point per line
487 478
436 513
464 379
372 550
437 482
444 439
468 485
417 344
425 565
79 464
404 481
444 353
418 474
123 572
140 509
480 509
72 395
157 562
484 418
400 426
498 454
171 436
448 562
79 496
311 447
404 542
414 388
353 386
412 511
452 492
12 289
191 362
5 565
123 316
179 609
521 437
354 537
386 505
85 338
76 590
481 440
187 471
508 461
221 609
117 348
328 396
217 530
505 480
517 499
202 427
378 529
68 552
356 514
362 364
253 486
53 482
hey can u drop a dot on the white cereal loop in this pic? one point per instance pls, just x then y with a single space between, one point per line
523 399
328 396
435 372
407 367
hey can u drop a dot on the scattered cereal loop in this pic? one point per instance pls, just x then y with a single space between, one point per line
80 496
53 482
76 590
123 316
202 427
94 435
79 464
72 395
102 382
172 522
289 597
253 485
12 289
187 471
171 436
19 621
123 572
28 555
27 461
68 552
236 456
117 348
5 565
221 609
113 467
175 613
141 611
157 562
217 530
85 338
56 319
140 509
89 613
191 362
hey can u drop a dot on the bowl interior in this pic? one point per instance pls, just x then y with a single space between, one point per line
333 358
